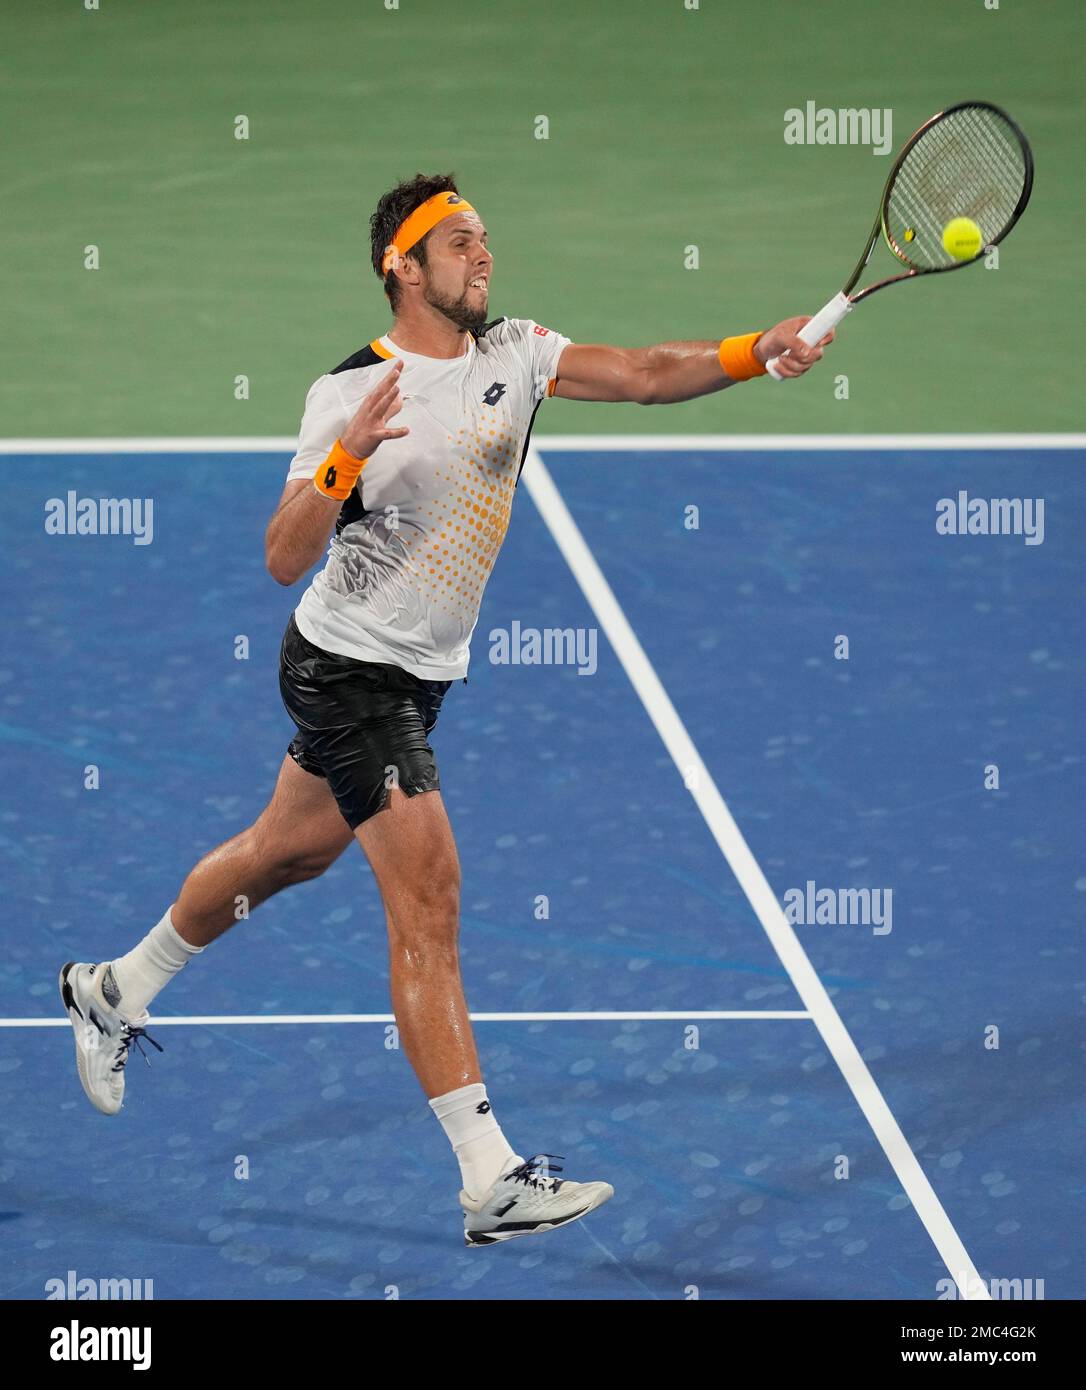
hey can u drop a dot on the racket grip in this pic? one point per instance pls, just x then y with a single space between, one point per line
829 316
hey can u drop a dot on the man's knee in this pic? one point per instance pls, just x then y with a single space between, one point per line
429 905
288 863
302 866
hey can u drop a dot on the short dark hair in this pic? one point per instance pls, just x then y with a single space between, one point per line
396 205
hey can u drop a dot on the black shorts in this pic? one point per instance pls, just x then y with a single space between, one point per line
362 725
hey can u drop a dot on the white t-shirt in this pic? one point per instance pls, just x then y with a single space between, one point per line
417 538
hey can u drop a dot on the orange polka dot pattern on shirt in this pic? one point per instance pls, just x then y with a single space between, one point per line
468 518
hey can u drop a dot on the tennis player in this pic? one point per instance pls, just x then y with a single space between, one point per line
408 457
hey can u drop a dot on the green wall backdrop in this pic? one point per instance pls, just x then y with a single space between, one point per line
222 257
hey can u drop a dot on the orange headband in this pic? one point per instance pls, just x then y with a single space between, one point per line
424 219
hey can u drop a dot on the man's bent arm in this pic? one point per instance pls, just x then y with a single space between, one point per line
298 532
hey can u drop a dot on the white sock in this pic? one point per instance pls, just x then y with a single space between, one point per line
140 974
470 1127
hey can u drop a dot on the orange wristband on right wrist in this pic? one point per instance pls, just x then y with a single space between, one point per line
738 359
338 473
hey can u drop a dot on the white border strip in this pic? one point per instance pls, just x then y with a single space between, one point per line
749 874
225 444
186 1020
627 443
804 443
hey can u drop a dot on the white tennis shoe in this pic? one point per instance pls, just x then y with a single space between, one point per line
526 1200
102 1037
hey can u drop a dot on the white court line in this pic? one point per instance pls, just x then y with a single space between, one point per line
656 443
600 1017
748 872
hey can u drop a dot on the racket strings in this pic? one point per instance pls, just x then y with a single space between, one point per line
969 164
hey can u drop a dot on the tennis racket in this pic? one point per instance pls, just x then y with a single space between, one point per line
970 160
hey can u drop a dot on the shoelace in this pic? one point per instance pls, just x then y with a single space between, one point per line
527 1174
130 1035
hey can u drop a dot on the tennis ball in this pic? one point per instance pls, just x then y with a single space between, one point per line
962 238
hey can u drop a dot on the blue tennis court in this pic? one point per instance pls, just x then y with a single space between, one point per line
727 1139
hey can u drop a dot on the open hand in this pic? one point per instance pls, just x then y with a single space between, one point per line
369 428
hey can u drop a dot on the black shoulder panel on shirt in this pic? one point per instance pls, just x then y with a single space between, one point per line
364 357
351 511
487 327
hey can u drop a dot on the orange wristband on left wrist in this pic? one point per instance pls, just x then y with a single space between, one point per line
338 473
737 357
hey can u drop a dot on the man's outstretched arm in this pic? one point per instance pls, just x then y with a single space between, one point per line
672 372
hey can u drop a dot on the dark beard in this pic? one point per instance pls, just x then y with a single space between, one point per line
458 311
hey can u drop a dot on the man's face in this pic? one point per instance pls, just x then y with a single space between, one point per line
456 277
